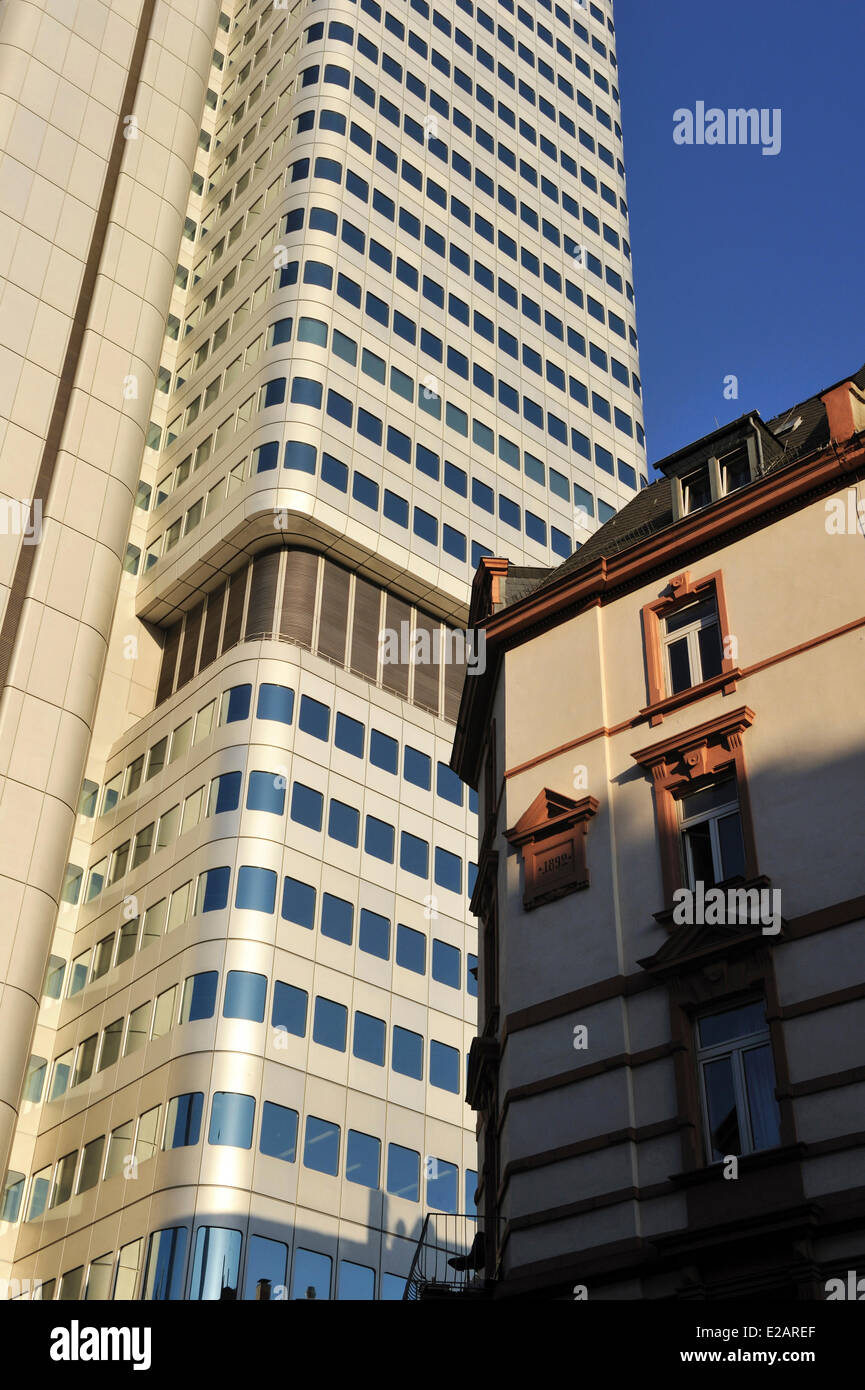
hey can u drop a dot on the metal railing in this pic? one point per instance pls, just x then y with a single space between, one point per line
448 1260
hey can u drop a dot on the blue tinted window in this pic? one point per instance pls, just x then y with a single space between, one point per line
357 1282
183 1126
383 751
403 1173
364 490
267 455
441 1185
321 1146
416 767
453 542
413 854
278 1132
306 806
407 1053
482 496
334 473
298 902
410 949
244 996
369 1038
395 508
427 461
231 1118
337 918
275 702
445 963
215 889
274 394
378 839
305 391
363 1158
239 697
444 1067
472 878
448 870
289 1008
266 792
320 219
314 717
448 785
455 478
256 889
374 934
199 996
166 1262
329 1024
343 822
227 792
348 735
471 975
425 526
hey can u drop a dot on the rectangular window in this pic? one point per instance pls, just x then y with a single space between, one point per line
298 902
163 1014
374 935
183 1120
289 1009
407 1053
403 1173
369 1038
231 1118
363 1159
137 1028
737 1082
330 1022
199 996
164 1269
278 1138
711 833
410 949
244 996
321 1147
691 639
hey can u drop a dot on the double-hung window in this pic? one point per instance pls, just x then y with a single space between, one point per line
737 1082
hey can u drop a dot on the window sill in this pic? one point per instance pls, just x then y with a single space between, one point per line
725 681
764 1158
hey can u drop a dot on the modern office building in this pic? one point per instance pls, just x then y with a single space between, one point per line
668 748
307 308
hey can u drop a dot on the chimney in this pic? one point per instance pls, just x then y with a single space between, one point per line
845 408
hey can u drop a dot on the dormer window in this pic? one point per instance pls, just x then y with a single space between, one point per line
696 490
693 652
735 470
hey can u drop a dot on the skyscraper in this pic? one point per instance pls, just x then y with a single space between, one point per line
248 481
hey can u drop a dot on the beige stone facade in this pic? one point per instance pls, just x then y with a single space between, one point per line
669 1079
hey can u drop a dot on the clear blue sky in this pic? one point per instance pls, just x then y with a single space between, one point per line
744 264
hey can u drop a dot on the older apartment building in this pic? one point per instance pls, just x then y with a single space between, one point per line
309 306
668 743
